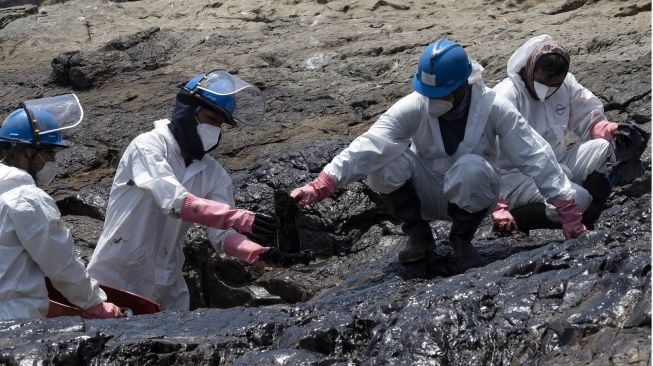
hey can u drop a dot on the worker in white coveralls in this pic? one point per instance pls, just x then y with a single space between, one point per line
541 87
432 154
34 242
165 181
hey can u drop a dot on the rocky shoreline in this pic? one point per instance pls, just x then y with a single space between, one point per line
328 69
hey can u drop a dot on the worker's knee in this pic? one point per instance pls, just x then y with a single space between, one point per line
471 183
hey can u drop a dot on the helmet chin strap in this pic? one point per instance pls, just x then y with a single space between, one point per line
215 146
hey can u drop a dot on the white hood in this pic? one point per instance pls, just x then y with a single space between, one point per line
519 58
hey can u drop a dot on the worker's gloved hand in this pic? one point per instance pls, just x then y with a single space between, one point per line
320 188
630 141
502 219
604 130
284 259
570 217
222 216
239 246
102 310
264 228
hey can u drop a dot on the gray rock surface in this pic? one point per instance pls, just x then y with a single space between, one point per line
328 69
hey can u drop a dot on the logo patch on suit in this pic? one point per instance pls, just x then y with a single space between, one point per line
561 109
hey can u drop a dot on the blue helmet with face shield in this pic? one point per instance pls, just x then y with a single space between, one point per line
238 101
21 127
202 88
442 67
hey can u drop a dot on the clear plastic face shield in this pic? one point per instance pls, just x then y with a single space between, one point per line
248 102
53 114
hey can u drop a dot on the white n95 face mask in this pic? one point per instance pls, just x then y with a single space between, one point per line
209 134
438 107
542 91
46 175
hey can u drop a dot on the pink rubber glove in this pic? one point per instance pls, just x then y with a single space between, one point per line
216 214
102 310
604 130
570 217
237 245
503 221
320 188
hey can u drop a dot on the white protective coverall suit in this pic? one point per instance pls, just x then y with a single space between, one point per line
406 143
140 249
34 243
571 108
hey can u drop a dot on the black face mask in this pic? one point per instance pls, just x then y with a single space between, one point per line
184 125
462 97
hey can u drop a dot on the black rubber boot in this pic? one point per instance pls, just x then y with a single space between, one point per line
598 185
405 206
463 227
533 216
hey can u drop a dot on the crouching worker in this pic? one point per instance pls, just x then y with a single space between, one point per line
166 180
433 153
541 87
34 242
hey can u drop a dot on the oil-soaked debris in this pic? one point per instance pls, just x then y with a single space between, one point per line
287 211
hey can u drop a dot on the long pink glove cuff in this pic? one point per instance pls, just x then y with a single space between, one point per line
237 245
501 215
570 217
320 188
501 204
216 214
604 130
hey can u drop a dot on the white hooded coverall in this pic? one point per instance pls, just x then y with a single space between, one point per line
572 107
34 243
140 249
406 143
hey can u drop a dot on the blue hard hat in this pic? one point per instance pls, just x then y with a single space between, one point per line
224 104
17 128
442 67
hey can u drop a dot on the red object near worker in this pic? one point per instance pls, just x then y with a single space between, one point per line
129 302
